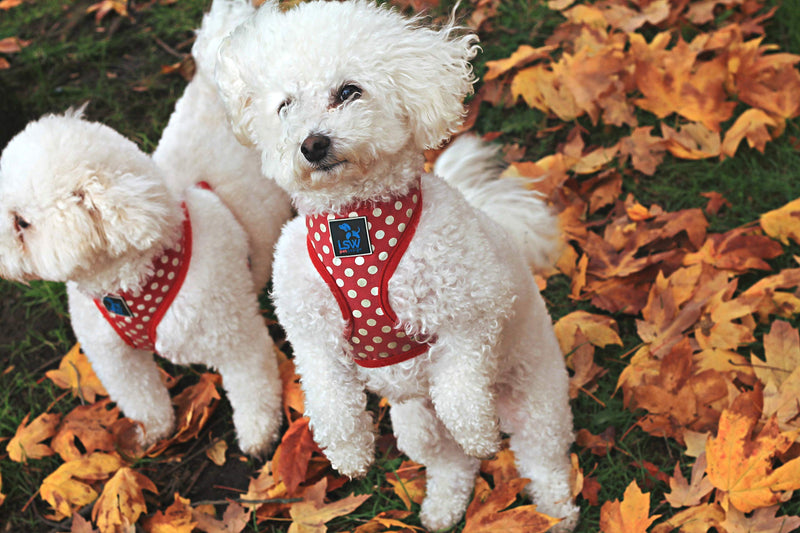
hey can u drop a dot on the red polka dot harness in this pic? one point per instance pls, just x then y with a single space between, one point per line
356 252
135 317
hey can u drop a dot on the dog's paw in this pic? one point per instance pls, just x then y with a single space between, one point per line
149 433
257 436
480 447
351 460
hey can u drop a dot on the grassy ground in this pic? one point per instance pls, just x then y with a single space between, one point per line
116 65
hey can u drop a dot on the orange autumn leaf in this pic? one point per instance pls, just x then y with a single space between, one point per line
645 150
486 514
408 482
522 56
89 424
76 374
753 125
761 520
631 515
292 456
12 45
177 518
292 392
70 486
698 519
27 441
8 4
741 462
2 496
310 515
122 500
692 141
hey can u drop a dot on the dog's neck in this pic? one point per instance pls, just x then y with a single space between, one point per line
387 178
129 271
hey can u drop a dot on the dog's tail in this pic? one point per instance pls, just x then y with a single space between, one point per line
220 20
473 167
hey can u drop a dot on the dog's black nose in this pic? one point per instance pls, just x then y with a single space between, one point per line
315 147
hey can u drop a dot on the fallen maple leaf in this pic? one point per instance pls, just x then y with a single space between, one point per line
522 56
485 513
177 518
762 521
122 500
27 441
783 223
631 515
752 125
310 515
76 374
600 330
698 519
89 424
216 452
292 456
12 45
81 525
685 494
8 4
69 487
408 482
741 462
388 521
234 519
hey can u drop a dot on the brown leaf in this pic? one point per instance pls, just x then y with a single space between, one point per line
388 521
89 424
310 515
762 520
12 45
522 56
81 525
600 330
631 515
685 494
752 125
291 458
293 398
699 519
485 512
234 519
715 202
645 150
783 223
27 441
217 452
600 444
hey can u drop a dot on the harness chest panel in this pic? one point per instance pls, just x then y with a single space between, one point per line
356 252
135 317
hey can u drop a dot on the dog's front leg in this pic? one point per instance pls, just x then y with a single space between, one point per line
335 403
461 376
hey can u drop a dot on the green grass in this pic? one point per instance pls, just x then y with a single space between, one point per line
116 67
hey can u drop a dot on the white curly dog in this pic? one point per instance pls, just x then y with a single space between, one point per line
394 280
153 263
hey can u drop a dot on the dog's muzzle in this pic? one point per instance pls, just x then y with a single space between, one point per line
315 148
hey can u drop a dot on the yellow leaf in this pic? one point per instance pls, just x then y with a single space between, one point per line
76 374
629 515
522 56
408 482
217 452
600 330
751 125
741 464
177 518
69 487
27 442
783 223
122 500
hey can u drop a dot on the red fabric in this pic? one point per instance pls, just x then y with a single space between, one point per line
157 293
360 283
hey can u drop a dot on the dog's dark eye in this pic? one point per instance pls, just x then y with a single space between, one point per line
349 92
20 223
283 105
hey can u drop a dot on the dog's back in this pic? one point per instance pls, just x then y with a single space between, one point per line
473 167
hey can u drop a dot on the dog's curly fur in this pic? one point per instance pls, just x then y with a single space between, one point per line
81 203
381 88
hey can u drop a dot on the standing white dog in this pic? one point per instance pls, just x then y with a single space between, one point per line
147 272
395 280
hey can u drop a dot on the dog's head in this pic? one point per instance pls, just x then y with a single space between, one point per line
75 195
329 92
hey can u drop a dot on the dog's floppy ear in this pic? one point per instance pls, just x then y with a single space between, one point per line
231 63
439 78
127 211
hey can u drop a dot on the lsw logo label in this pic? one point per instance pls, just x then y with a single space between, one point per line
350 237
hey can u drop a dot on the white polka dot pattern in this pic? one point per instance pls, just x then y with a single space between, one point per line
136 320
360 283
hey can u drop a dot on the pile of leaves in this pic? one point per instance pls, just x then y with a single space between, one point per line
624 84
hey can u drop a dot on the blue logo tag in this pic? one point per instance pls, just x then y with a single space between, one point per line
350 237
115 304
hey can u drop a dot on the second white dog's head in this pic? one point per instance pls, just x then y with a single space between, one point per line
76 197
334 94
